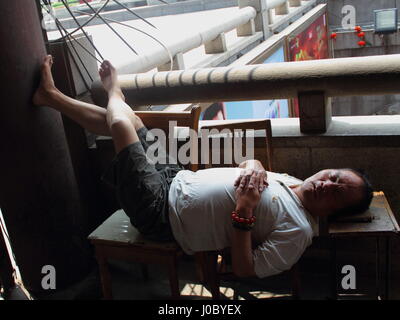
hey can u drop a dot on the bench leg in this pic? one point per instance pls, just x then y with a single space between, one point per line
105 277
295 282
173 277
212 274
201 262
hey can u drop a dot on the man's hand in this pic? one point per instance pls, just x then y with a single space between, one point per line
248 194
245 178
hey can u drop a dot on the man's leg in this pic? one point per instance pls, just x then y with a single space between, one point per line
118 116
142 190
89 116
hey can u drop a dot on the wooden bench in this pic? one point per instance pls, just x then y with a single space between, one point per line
117 239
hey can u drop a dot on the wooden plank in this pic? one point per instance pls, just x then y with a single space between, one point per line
117 231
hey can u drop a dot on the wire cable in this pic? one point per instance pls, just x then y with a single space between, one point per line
108 25
81 28
134 13
74 60
69 35
59 26
137 29
87 21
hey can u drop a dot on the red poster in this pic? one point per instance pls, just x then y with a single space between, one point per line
311 44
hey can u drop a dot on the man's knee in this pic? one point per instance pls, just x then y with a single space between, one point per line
137 122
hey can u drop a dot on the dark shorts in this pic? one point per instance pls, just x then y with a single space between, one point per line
142 188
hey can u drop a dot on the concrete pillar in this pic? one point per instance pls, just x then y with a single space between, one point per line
315 111
295 3
178 64
247 29
282 10
261 20
38 192
217 45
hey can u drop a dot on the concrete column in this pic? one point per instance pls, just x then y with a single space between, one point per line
247 29
178 64
315 111
261 20
217 45
282 9
295 3
38 192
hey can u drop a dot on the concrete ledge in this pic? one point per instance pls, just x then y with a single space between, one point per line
373 126
346 126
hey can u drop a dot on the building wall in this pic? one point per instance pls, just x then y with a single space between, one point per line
364 9
379 156
346 45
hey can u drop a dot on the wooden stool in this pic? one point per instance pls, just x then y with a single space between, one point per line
117 239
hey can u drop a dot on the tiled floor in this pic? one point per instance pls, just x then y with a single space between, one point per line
128 282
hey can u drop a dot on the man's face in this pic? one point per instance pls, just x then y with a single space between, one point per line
330 190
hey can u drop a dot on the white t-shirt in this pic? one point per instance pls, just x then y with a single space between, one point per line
200 207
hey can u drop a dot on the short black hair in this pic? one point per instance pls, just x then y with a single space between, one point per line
364 203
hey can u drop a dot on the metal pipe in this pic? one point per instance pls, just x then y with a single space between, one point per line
373 75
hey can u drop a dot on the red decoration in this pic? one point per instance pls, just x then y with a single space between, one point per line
358 29
362 43
361 34
333 35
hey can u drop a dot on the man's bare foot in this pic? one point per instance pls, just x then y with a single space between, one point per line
109 78
47 87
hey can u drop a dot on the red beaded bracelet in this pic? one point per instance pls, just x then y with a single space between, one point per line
236 218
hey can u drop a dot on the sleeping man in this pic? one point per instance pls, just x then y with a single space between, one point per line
266 219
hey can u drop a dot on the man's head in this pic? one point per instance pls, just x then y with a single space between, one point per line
335 192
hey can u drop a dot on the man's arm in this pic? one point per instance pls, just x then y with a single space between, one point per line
247 199
251 164
249 167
